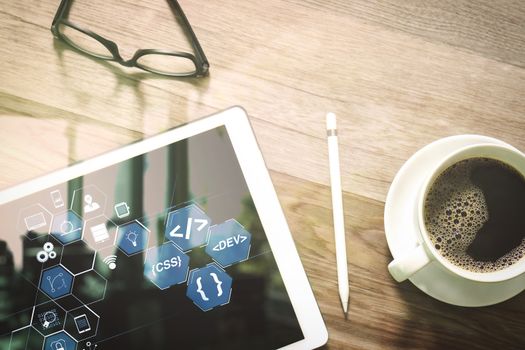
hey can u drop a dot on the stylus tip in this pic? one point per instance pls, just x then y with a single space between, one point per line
345 307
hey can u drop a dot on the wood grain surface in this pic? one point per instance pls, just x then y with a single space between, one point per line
399 74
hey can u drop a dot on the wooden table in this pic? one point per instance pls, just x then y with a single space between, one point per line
399 74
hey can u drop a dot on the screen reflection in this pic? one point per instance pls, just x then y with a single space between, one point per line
162 251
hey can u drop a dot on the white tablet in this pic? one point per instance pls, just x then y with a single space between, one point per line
174 242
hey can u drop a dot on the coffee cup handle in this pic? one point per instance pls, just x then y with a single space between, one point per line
403 267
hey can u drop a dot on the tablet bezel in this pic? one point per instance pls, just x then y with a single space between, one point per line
261 188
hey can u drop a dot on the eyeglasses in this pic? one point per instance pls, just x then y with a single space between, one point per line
169 63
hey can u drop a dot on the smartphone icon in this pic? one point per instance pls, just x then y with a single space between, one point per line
82 324
56 197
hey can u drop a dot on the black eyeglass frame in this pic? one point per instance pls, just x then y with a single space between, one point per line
199 59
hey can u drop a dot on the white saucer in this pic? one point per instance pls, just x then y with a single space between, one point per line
401 223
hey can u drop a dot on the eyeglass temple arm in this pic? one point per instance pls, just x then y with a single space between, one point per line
191 33
62 11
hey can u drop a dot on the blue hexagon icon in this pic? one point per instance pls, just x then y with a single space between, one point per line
67 227
166 265
209 287
56 282
229 243
132 238
188 227
60 341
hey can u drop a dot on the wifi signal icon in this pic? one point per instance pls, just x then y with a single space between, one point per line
111 261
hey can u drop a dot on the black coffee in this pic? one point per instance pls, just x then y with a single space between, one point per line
475 215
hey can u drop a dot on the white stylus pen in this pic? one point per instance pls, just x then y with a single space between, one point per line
337 209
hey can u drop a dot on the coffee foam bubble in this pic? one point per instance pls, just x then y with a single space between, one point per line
455 210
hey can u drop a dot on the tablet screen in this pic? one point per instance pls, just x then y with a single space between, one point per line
161 251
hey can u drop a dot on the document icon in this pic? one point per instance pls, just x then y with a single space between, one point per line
99 232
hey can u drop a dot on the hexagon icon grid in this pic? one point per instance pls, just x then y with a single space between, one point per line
229 243
48 318
166 265
188 227
56 282
91 199
132 238
209 287
67 227
60 341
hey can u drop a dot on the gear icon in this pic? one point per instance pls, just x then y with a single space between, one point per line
48 247
47 253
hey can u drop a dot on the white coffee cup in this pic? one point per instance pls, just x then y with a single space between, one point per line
424 252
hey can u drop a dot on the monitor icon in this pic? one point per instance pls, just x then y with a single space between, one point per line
35 221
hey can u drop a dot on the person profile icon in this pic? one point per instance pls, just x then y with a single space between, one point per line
90 205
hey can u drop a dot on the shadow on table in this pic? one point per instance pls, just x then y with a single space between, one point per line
126 79
432 324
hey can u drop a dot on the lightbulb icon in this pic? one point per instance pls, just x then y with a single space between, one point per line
132 237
